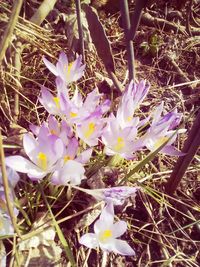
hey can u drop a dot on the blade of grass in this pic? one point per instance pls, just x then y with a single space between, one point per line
58 230
146 160
7 189
6 39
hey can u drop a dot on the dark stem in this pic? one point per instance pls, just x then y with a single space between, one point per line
191 146
129 43
135 18
80 29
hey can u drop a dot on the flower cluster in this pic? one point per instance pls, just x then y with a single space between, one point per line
61 146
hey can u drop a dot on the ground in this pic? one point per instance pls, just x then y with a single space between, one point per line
164 228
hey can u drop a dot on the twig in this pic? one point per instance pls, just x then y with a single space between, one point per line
80 29
10 28
7 189
182 77
188 17
17 63
151 21
37 19
129 43
115 81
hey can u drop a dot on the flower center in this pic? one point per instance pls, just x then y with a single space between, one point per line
129 118
53 132
73 115
56 101
42 161
120 144
66 158
67 69
90 130
160 142
105 235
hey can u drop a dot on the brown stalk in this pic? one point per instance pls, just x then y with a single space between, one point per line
190 148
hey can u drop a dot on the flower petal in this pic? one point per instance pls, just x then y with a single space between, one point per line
118 229
29 144
85 156
172 151
50 66
118 246
89 240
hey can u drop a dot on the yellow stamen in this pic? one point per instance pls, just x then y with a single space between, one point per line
42 161
73 115
66 158
120 144
90 130
129 118
160 142
103 237
69 68
53 132
57 101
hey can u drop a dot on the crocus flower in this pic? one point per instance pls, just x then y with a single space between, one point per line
130 101
106 233
116 195
120 141
77 110
55 105
71 165
161 130
90 129
44 154
68 72
53 127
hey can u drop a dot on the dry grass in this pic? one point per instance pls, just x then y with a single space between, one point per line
163 230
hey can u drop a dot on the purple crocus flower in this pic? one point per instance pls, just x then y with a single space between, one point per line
130 101
90 129
116 195
43 152
55 105
106 234
71 165
53 127
120 141
68 72
161 130
78 110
